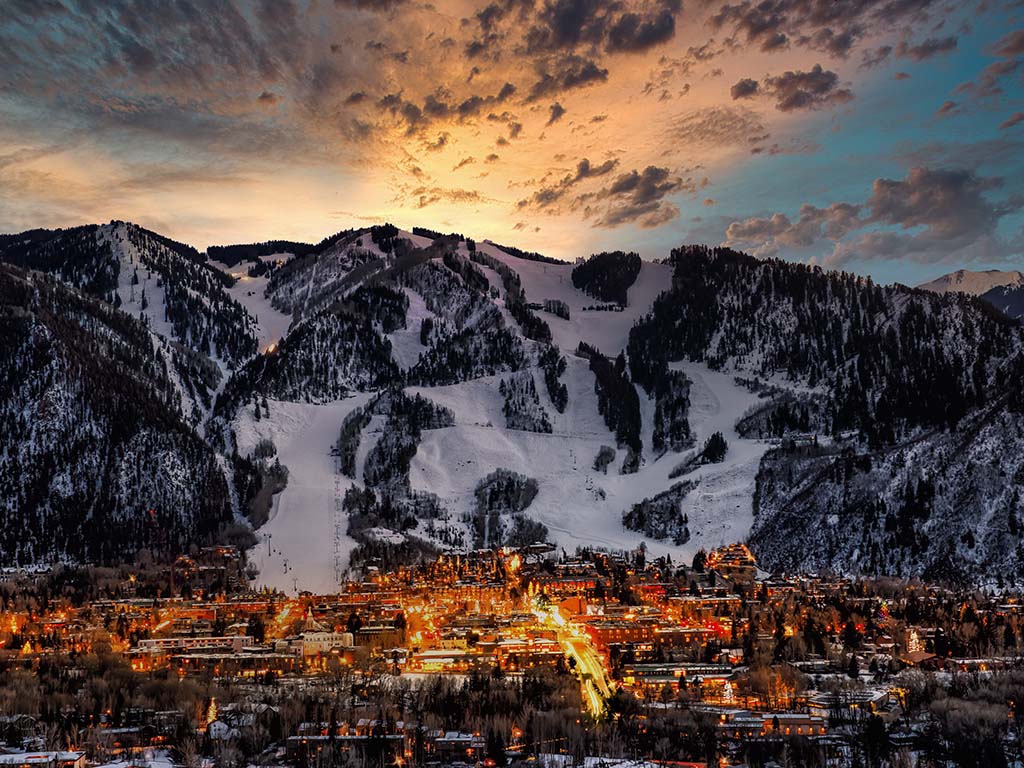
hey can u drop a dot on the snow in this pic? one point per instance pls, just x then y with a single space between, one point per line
721 507
131 295
578 505
405 342
297 546
250 292
974 283
607 331
419 241
450 462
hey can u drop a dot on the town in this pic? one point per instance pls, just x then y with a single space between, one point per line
502 657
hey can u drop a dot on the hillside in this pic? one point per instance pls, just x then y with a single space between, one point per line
1008 299
387 393
101 462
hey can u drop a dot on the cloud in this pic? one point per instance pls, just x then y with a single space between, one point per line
926 49
948 108
820 25
990 81
547 196
929 215
796 90
1015 119
873 57
565 75
814 89
719 126
424 197
744 89
564 25
1010 45
268 98
556 112
633 32
634 197
439 143
770 234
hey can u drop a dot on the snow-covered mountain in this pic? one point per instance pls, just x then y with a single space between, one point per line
385 393
98 458
1008 299
974 283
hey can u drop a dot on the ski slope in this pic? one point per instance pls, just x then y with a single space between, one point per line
250 292
451 461
579 506
607 331
297 546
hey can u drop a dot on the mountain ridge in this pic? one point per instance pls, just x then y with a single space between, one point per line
534 361
975 283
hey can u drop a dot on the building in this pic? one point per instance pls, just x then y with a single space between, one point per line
43 760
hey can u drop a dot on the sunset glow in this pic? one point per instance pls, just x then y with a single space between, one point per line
882 137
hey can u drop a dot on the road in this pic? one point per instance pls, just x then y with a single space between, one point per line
597 689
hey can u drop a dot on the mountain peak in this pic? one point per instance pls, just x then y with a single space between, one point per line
973 282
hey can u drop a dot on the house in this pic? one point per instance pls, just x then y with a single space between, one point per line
42 760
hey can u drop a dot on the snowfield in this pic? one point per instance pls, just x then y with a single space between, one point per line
579 505
607 331
271 324
298 545
450 462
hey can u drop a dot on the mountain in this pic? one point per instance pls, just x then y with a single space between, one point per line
891 460
1003 290
99 459
1008 299
386 393
167 285
974 283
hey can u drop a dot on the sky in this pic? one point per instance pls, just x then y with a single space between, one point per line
882 137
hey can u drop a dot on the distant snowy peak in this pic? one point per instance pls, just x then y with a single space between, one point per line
974 283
